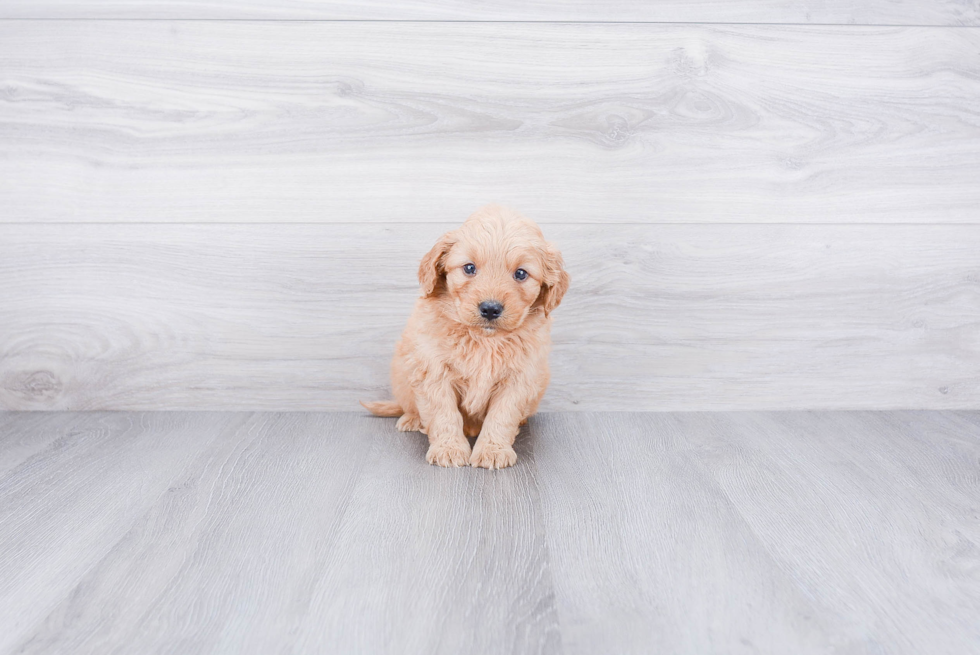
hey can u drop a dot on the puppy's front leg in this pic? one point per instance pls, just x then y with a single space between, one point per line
495 447
436 401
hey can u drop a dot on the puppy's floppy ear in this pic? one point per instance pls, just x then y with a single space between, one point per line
431 270
555 282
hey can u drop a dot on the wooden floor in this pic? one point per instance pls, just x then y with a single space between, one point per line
795 532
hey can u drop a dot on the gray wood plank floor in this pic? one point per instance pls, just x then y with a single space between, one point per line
794 532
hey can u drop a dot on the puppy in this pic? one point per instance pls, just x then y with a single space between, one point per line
473 359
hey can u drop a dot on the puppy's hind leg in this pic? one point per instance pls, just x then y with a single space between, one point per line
409 422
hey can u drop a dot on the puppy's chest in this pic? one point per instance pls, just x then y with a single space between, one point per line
479 368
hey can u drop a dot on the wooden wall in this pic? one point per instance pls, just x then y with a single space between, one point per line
763 205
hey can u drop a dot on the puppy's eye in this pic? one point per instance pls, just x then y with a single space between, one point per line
469 269
520 275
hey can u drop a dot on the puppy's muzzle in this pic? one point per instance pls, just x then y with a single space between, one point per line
491 309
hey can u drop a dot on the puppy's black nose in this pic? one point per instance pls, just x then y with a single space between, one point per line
491 309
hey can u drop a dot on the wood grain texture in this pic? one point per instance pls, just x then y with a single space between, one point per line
225 121
874 12
772 533
430 560
658 317
649 555
226 560
973 437
285 535
688 533
873 561
26 434
66 507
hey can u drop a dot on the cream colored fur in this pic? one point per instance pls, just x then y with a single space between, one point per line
456 374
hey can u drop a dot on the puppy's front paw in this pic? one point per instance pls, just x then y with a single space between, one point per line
449 453
492 455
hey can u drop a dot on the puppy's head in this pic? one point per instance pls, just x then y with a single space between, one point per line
495 270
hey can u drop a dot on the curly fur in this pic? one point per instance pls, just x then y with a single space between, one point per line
455 374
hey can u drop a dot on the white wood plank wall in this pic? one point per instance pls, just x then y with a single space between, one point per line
846 12
227 213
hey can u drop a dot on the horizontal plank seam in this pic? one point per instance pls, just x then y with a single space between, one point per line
450 222
463 21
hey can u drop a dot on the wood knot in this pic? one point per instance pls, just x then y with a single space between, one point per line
38 386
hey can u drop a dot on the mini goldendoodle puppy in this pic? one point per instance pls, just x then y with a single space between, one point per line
473 359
